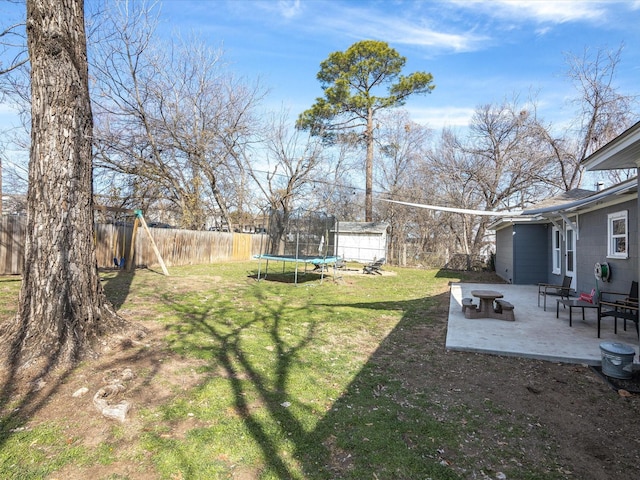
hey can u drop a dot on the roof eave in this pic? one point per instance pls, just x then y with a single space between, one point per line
620 153
622 188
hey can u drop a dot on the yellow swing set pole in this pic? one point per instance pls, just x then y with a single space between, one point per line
153 243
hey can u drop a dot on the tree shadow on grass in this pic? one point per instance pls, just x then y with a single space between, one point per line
466 276
291 277
55 452
379 427
244 376
288 278
117 286
374 428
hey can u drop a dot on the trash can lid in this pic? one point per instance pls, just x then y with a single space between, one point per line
616 347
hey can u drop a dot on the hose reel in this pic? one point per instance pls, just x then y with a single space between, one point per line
602 271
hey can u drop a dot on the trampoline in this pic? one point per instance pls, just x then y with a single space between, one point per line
301 237
318 262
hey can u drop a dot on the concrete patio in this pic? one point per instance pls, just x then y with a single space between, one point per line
534 333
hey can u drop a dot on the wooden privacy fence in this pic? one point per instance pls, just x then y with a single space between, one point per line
113 246
12 233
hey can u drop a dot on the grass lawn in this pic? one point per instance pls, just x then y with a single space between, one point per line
269 380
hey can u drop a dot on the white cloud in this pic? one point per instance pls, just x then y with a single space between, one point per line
542 11
372 20
542 31
440 117
402 32
289 8
270 11
8 116
5 108
374 24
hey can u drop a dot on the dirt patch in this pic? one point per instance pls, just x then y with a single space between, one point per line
150 376
624 386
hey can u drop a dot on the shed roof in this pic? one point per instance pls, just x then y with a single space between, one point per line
362 227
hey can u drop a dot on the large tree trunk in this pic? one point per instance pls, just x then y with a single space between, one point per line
278 223
62 304
217 195
368 193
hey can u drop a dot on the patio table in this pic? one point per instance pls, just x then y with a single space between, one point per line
487 297
573 303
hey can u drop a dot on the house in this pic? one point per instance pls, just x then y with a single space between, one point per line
623 152
569 235
522 252
576 232
361 241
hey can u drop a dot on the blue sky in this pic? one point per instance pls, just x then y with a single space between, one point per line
478 51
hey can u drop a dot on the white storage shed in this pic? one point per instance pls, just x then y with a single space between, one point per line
361 241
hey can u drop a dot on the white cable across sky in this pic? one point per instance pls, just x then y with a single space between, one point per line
487 213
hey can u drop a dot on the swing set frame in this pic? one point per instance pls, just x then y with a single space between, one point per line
139 221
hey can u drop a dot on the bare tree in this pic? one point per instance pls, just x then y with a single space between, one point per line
63 309
602 112
402 145
171 117
291 160
337 189
499 166
14 148
14 47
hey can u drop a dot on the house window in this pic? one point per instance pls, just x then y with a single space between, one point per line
618 235
556 251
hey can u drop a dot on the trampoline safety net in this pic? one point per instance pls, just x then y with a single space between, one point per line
302 234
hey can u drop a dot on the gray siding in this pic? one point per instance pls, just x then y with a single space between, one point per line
531 254
522 253
550 276
592 248
504 253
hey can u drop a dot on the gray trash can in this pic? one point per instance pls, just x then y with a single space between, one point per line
617 359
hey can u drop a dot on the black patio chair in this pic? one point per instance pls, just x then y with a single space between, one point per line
374 267
619 305
562 291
